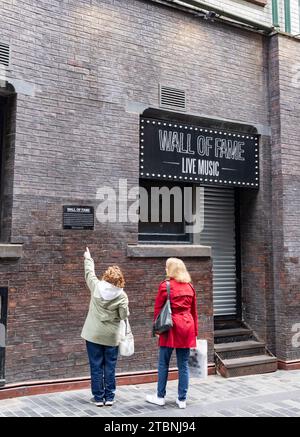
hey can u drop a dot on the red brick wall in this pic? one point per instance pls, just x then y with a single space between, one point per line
76 134
49 302
286 185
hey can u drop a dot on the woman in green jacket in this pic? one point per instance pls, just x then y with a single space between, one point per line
108 305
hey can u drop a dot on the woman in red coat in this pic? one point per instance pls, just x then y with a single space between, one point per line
182 336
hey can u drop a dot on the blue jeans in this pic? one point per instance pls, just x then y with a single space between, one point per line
103 360
182 355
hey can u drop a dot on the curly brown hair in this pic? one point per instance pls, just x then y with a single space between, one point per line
114 276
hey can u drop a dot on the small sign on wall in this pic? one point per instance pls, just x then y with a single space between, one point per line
78 217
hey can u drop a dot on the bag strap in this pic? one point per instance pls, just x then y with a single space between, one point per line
127 330
192 287
169 290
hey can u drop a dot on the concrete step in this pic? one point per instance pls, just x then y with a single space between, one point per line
238 349
242 366
248 361
238 345
228 324
232 332
231 335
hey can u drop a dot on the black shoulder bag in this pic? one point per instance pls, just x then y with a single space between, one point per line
163 321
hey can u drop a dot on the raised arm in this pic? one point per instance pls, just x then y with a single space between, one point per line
89 271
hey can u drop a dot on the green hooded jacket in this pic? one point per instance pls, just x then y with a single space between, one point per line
108 305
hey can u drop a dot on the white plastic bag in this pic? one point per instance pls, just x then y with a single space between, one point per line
126 345
198 360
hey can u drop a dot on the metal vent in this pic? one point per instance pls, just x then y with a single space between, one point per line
172 98
4 54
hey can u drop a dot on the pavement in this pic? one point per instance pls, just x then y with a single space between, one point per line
269 395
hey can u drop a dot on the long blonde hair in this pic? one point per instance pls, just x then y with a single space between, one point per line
177 270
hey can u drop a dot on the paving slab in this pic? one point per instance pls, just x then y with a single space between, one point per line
276 394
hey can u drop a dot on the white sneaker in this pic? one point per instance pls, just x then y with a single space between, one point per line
97 403
181 404
153 399
109 403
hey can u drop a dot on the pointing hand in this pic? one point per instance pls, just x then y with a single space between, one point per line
87 253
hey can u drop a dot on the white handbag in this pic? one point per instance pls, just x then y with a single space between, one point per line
126 345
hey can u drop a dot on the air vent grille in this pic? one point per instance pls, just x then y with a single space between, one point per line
172 98
4 54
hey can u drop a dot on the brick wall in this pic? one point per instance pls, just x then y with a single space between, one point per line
256 252
287 183
45 319
87 62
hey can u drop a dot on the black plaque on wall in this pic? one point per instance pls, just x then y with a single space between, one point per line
78 217
180 152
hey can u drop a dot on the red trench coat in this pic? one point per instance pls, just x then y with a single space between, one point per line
184 314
